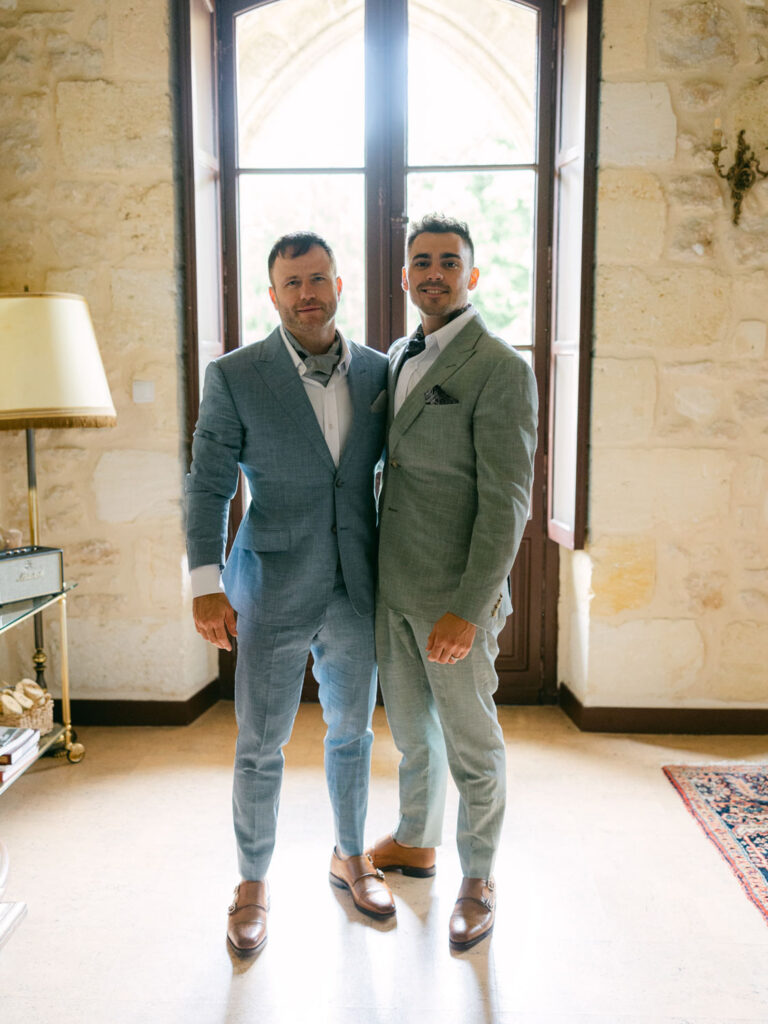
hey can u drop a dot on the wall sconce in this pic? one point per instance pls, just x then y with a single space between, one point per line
743 172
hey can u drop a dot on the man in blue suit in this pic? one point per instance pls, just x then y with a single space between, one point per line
303 414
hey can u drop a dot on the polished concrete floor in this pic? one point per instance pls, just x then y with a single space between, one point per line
613 906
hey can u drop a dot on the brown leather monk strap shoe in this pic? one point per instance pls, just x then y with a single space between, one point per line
370 892
247 925
473 913
389 855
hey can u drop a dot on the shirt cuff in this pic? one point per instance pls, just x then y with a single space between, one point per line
205 579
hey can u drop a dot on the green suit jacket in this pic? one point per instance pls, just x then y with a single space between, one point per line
457 480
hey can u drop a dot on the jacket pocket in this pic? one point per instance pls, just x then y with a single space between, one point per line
264 539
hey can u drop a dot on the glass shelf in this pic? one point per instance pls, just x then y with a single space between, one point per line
13 613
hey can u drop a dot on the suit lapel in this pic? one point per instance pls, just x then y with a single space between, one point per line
276 369
453 356
357 375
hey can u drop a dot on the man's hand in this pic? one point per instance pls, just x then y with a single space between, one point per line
451 639
215 619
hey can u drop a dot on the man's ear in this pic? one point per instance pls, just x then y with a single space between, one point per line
404 280
273 296
474 275
339 287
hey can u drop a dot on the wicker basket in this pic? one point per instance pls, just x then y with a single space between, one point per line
39 717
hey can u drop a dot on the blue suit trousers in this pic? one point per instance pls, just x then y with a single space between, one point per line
268 681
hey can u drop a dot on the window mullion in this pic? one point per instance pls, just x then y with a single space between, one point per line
386 85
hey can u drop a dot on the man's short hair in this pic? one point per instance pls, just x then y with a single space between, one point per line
295 244
439 224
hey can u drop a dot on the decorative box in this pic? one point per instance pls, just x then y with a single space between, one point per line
30 572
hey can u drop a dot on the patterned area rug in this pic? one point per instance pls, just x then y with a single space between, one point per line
730 802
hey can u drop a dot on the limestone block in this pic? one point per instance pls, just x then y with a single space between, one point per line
749 295
140 29
79 281
749 480
749 241
692 570
631 217
749 339
99 30
132 485
50 18
695 35
31 108
643 663
87 194
161 573
18 57
748 109
97 606
657 310
625 28
754 601
637 123
144 293
691 395
94 551
692 240
20 151
149 658
82 242
693 151
695 190
146 225
744 661
700 94
106 126
623 400
623 574
752 400
706 591
637 490
69 56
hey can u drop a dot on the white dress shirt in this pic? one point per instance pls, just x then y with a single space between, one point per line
414 368
332 405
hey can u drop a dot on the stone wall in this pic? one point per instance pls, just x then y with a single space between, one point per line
88 193
668 606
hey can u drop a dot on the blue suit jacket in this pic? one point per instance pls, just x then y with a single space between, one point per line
305 515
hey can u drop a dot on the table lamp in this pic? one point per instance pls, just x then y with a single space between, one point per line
51 375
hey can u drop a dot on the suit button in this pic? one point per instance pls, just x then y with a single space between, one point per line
333 528
338 483
394 463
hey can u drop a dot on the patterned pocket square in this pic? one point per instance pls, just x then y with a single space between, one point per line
436 396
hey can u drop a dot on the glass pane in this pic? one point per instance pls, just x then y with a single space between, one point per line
301 84
472 82
499 209
271 205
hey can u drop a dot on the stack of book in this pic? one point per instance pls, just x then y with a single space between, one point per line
18 747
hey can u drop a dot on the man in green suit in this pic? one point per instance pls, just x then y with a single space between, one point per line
457 482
